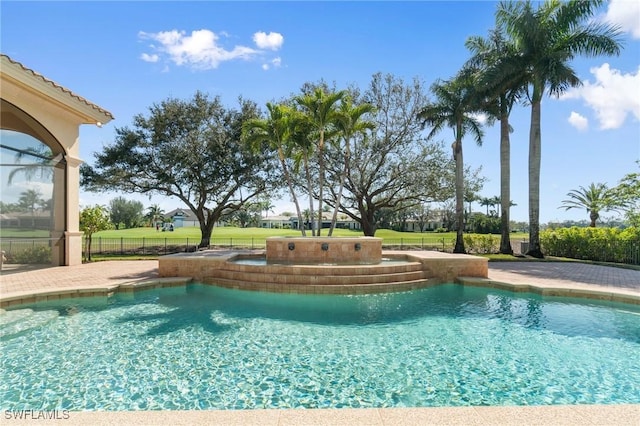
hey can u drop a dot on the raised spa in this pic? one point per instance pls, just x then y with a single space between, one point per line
326 265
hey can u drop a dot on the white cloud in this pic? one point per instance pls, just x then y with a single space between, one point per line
11 193
481 117
612 96
275 62
149 58
626 14
199 50
578 121
272 41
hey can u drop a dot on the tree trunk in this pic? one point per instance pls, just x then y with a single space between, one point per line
534 177
505 179
206 229
287 176
457 155
593 215
88 248
308 175
368 227
320 179
343 176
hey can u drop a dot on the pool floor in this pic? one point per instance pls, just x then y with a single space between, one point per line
202 347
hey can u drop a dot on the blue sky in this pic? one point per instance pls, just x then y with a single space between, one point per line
125 56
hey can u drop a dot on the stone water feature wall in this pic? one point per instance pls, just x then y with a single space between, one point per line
324 250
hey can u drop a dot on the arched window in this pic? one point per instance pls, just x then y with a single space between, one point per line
29 230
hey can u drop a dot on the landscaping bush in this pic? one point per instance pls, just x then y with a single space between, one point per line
481 244
32 255
598 244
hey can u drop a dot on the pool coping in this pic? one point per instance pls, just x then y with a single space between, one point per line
620 415
620 295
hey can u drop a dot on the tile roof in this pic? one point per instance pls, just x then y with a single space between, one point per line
58 87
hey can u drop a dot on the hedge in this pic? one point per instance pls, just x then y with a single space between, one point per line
598 244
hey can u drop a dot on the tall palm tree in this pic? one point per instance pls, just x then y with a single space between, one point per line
486 202
155 214
43 164
486 53
455 107
546 40
300 151
29 201
276 131
594 199
349 122
320 109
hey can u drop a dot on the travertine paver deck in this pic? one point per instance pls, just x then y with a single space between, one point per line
546 274
565 274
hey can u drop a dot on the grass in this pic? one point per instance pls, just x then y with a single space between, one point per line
24 233
244 233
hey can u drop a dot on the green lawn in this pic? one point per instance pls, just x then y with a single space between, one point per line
23 233
243 233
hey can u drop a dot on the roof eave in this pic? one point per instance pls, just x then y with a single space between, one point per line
88 112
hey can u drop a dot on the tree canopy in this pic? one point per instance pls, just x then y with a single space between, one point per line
395 167
191 150
545 40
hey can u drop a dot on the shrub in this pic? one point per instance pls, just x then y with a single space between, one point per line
32 255
481 244
598 244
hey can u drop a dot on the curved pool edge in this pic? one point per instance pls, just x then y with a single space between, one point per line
103 279
595 292
621 415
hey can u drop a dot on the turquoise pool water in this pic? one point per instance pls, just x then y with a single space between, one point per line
203 347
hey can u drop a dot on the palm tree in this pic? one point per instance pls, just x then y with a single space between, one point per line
485 201
29 201
276 130
495 202
486 53
546 40
596 198
155 214
320 109
41 166
349 123
455 105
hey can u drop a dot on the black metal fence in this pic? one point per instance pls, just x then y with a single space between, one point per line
20 247
34 250
30 250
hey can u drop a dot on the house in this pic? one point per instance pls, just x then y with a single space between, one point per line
343 222
182 218
50 114
276 222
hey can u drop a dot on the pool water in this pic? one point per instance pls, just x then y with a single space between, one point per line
204 347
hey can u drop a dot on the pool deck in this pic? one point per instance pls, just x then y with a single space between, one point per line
93 278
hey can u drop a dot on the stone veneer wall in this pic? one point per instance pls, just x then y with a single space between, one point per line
338 250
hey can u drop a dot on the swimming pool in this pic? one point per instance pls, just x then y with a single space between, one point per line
204 347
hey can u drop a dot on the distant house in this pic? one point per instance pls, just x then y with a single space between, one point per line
182 217
185 218
35 220
342 222
276 222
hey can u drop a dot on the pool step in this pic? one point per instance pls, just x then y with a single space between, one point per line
318 278
324 288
